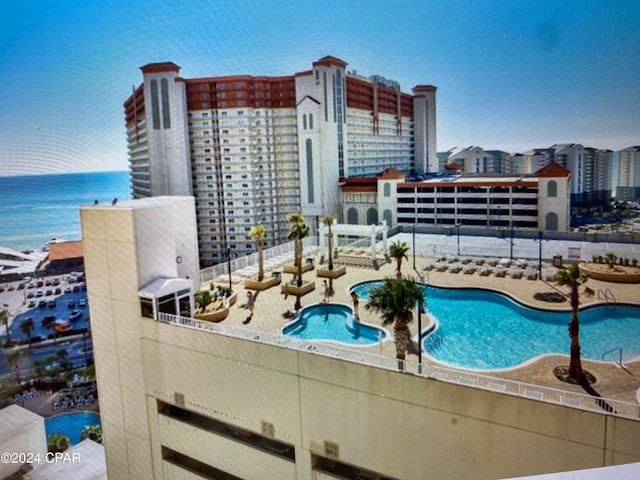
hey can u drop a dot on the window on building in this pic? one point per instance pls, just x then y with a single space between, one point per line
352 216
552 188
387 189
166 111
372 216
387 217
551 222
304 121
155 105
310 186
311 121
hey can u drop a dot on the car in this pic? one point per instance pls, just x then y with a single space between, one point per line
39 293
67 289
31 295
84 287
52 303
40 283
49 319
32 304
82 302
56 281
31 285
21 286
48 293
71 303
11 288
42 304
76 288
57 291
75 315
48 282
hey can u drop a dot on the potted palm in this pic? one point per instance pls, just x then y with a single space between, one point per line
331 272
258 232
299 231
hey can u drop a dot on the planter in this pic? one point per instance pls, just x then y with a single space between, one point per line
335 273
296 291
626 275
217 316
306 267
262 285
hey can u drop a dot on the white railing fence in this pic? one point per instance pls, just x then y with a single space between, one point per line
486 382
238 263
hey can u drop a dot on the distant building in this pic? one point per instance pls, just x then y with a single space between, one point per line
65 257
628 174
591 168
537 201
255 149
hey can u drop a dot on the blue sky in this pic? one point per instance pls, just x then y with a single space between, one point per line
511 74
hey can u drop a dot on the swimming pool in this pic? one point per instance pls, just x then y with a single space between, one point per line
333 322
484 330
71 424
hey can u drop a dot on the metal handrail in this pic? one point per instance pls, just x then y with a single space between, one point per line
556 396
613 350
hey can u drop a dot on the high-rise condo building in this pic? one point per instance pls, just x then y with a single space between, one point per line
254 149
628 174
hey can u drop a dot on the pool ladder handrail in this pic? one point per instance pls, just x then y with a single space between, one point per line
613 350
606 295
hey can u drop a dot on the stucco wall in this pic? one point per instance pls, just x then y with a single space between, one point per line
393 423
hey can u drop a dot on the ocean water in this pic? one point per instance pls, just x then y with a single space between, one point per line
36 208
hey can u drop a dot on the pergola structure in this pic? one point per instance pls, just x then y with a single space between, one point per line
349 230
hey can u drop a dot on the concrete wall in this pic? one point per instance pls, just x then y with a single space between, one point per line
396 424
126 246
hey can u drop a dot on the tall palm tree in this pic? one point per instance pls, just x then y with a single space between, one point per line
299 231
399 250
26 327
395 300
258 233
4 318
328 222
572 277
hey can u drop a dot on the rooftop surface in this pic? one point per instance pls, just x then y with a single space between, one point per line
271 307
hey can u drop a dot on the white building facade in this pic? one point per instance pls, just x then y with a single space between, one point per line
537 201
254 150
628 174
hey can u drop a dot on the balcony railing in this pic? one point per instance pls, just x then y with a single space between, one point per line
485 382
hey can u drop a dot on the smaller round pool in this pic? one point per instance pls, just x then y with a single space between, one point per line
71 424
333 322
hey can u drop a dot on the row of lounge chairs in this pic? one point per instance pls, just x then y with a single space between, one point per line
484 267
65 402
19 398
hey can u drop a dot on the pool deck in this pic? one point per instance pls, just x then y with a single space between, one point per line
612 381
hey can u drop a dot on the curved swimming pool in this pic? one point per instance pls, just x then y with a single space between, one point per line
332 322
71 424
485 330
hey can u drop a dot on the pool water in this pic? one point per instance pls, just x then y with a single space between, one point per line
485 330
71 424
332 322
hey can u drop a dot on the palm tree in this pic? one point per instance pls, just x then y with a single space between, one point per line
610 258
4 318
395 300
26 327
299 231
398 250
92 432
13 358
258 232
573 278
328 222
